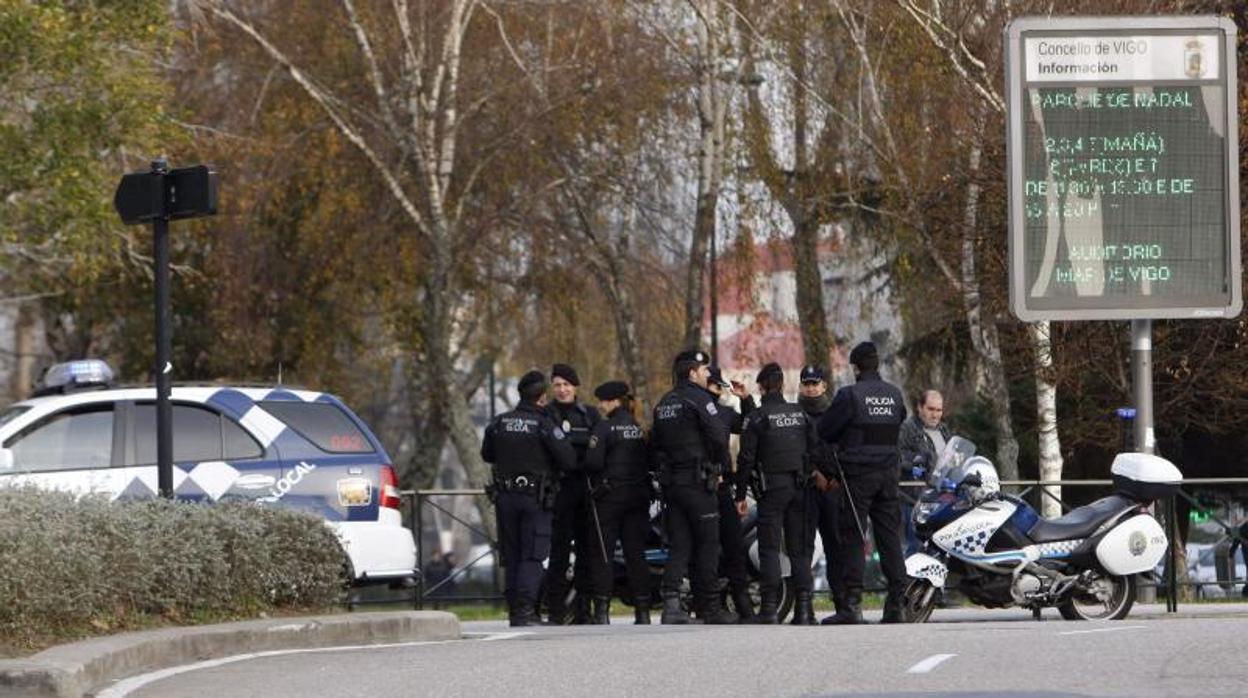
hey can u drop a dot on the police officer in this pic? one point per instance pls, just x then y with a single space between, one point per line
863 423
814 399
732 559
527 451
620 497
689 444
573 525
776 443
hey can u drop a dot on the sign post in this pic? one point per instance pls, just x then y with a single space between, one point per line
158 196
1124 176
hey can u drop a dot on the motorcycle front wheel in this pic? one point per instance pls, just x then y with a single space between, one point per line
918 599
1103 597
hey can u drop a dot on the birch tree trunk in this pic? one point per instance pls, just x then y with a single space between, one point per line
1046 412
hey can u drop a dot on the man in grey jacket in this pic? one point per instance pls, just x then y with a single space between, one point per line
920 441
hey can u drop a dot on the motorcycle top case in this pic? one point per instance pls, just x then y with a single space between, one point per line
1133 546
1145 477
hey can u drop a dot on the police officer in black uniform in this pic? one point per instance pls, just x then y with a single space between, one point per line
574 527
863 423
733 554
620 477
776 443
688 445
814 399
527 451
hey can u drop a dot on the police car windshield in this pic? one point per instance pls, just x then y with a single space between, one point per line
955 454
10 413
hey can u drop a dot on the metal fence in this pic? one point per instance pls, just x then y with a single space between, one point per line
440 589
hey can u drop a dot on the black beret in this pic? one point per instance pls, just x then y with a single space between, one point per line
565 372
694 355
529 379
611 390
865 352
812 373
770 370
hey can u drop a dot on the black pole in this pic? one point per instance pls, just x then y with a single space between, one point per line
164 368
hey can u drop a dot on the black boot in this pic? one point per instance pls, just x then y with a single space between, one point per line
847 613
803 610
641 615
712 611
893 606
523 615
768 612
673 614
602 611
580 609
744 605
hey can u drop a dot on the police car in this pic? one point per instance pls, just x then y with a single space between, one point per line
275 446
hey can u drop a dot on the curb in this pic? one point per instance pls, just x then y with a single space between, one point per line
70 671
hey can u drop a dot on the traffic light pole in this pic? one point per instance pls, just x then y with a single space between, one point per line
164 368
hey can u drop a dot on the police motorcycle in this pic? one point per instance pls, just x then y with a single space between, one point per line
996 550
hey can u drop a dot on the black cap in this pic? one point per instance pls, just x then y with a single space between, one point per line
717 377
693 355
565 372
529 379
812 373
612 390
770 370
865 356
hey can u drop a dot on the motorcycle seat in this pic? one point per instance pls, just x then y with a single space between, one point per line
1081 522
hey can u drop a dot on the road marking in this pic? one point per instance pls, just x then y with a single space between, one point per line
928 664
126 686
1103 630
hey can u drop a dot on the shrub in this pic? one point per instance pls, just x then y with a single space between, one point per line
73 566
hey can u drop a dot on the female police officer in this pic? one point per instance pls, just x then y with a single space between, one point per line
617 463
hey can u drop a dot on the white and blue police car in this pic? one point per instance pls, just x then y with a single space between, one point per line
275 446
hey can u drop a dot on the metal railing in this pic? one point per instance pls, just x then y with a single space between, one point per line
1035 491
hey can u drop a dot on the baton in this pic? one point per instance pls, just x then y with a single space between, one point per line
853 508
593 507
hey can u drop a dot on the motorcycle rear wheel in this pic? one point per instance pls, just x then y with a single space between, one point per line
1107 597
918 600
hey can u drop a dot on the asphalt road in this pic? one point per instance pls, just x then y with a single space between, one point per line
970 652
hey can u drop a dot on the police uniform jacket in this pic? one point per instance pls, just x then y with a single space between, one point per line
821 456
778 437
526 442
577 421
687 429
617 451
863 423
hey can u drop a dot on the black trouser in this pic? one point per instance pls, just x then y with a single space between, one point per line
625 516
692 521
784 508
874 491
829 509
731 543
524 541
571 527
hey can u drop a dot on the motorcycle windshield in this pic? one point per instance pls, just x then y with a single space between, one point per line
955 454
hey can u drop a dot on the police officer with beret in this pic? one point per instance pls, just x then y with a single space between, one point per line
776 443
528 451
573 525
689 444
814 399
863 423
620 476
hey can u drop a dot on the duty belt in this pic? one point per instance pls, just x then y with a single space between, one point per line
519 483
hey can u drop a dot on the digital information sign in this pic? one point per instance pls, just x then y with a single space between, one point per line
1123 168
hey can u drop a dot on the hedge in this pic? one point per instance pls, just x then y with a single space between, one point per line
76 566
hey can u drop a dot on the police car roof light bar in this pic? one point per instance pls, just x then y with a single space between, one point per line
75 375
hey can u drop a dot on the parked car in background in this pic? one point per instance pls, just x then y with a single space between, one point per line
275 446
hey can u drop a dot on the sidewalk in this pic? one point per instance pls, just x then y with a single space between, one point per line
69 671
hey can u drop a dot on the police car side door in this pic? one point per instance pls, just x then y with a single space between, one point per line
214 457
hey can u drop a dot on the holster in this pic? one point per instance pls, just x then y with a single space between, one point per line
491 492
708 474
547 489
758 483
601 489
